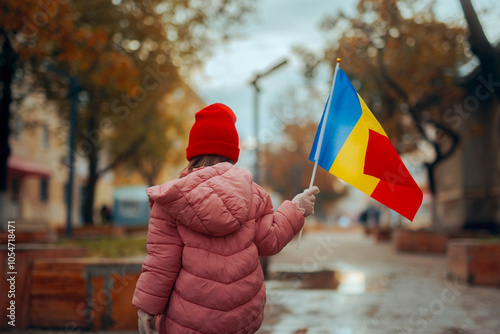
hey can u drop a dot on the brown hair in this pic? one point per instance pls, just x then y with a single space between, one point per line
205 161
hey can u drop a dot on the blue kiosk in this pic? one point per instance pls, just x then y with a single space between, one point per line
131 206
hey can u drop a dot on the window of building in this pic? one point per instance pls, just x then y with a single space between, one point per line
128 208
178 93
44 190
44 142
17 128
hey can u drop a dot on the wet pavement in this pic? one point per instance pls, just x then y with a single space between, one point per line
345 283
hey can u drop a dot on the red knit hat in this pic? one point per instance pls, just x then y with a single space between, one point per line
214 132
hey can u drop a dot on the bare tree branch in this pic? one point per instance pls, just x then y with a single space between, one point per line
455 140
398 90
392 83
123 156
477 39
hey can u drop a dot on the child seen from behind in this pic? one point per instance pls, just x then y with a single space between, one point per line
206 232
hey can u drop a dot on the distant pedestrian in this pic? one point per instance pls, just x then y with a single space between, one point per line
370 216
105 213
206 232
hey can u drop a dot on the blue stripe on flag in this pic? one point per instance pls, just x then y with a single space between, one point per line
345 111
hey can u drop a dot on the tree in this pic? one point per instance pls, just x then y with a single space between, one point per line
405 67
161 39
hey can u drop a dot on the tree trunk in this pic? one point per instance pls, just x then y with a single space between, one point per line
7 64
149 175
88 208
93 177
431 181
150 180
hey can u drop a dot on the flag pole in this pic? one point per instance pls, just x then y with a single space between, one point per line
321 135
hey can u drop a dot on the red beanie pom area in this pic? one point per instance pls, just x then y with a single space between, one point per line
214 132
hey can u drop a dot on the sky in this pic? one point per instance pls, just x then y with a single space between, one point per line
268 38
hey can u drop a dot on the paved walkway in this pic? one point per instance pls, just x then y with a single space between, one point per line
378 291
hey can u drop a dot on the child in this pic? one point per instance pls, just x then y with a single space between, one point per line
206 233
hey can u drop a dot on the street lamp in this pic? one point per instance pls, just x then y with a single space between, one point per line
255 84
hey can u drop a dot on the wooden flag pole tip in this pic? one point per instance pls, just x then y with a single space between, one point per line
339 60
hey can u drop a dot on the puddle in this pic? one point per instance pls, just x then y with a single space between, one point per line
353 282
455 331
324 279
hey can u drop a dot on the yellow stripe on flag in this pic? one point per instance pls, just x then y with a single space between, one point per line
349 164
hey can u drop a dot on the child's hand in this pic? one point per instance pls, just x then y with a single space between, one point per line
305 201
145 320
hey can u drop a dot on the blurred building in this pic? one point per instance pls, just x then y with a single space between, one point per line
468 182
36 174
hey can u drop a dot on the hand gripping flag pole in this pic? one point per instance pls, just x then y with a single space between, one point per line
321 135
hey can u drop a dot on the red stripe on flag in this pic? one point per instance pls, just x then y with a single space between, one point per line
383 162
405 201
396 188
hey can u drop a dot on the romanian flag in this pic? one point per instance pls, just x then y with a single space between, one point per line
354 147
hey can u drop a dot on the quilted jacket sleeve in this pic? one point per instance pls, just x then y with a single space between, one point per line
162 265
275 230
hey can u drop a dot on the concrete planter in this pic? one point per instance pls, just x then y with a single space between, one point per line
475 261
382 234
368 230
420 241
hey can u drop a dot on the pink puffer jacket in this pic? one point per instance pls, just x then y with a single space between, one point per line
206 231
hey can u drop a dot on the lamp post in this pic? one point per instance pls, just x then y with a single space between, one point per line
255 84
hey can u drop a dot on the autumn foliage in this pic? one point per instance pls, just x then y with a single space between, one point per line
126 56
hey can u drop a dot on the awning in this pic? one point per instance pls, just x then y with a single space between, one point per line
15 165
